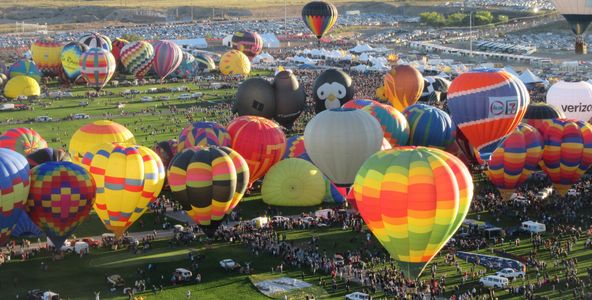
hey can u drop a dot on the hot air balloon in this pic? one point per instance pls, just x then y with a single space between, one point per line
167 58
25 227
413 199
61 196
128 178
43 155
515 159
22 86
261 142
332 89
166 150
116 47
235 62
96 40
22 140
332 194
294 147
247 42
208 182
293 182
403 86
578 14
394 125
539 115
97 67
290 98
187 68
430 126
204 62
568 152
339 140
255 96
137 58
14 190
435 89
46 55
203 134
574 99
319 17
24 67
359 103
95 133
487 105
380 94
70 58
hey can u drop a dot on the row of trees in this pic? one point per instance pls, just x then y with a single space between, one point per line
482 17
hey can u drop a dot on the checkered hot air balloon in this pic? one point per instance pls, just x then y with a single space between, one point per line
97 132
61 197
22 140
203 134
208 182
14 189
487 105
515 159
137 58
429 126
567 154
167 58
261 142
128 178
413 199
97 67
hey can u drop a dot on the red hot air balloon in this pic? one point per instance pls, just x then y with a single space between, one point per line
167 58
261 142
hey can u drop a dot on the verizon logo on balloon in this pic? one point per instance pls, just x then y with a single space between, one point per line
502 106
573 98
577 108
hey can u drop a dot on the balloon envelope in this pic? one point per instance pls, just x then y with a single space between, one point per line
332 89
203 134
235 62
290 98
293 182
97 67
137 58
540 115
46 55
429 126
41 156
22 140
247 42
319 17
25 67
167 58
70 58
22 86
403 86
255 96
98 132
573 99
14 190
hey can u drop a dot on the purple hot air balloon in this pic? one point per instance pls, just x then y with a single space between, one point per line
167 58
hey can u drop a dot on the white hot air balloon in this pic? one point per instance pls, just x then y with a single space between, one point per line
574 99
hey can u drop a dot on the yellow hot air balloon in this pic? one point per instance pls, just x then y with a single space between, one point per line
235 62
21 86
98 132
46 54
403 85
128 177
293 182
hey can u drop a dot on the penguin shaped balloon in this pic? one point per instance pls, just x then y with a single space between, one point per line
332 89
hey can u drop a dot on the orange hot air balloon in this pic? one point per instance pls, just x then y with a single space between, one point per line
403 86
261 142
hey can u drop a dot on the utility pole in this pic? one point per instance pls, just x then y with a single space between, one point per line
471 32
286 15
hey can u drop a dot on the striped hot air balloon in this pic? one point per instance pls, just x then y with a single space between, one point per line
359 103
540 115
208 182
96 40
98 132
97 67
128 178
167 58
394 125
22 140
319 17
203 134
413 199
25 67
403 86
137 58
14 190
515 159
429 126
70 58
61 197
487 105
567 154
247 42
46 55
204 62
261 142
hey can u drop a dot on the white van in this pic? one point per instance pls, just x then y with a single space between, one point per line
81 247
494 281
259 221
184 274
533 227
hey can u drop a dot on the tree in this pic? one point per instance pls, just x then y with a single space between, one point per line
503 19
483 17
456 19
433 18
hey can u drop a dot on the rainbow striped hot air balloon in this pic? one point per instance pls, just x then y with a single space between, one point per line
515 160
487 105
413 200
22 140
98 132
319 17
61 197
14 189
208 182
261 142
137 58
429 126
568 152
203 134
167 58
394 125
541 115
128 178
97 67
46 55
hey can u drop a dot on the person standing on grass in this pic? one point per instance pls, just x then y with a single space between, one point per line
188 294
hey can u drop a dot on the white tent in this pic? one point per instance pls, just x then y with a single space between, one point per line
198 43
361 49
227 41
360 68
270 40
303 60
263 58
529 77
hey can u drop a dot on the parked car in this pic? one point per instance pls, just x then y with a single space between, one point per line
116 280
146 99
164 98
494 281
181 275
184 97
228 264
43 119
357 296
92 242
509 273
80 116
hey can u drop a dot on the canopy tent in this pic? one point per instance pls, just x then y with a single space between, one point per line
263 58
270 40
528 77
361 49
197 43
